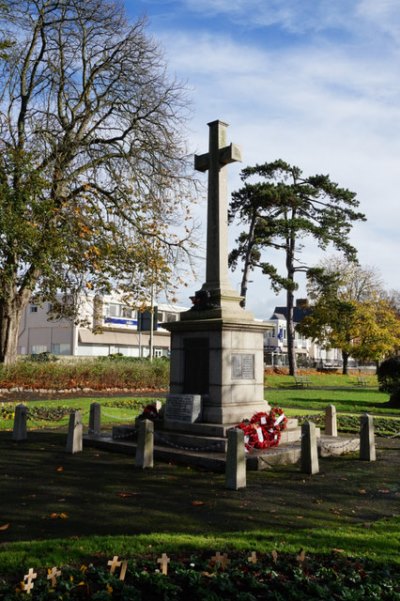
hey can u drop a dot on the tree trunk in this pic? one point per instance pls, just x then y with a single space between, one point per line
247 261
12 306
345 357
290 333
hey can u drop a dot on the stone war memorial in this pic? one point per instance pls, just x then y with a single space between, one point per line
217 361
217 357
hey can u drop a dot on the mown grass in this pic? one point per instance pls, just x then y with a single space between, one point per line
113 508
320 379
54 414
110 507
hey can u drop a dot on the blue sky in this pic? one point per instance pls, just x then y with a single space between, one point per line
314 82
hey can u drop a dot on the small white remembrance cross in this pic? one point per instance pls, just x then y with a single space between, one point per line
221 559
29 577
253 557
164 561
52 575
114 563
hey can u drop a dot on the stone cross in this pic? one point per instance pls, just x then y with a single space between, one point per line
214 161
253 557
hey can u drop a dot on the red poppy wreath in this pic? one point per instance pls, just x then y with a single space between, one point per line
263 430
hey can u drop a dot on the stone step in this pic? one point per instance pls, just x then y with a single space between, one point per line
198 436
284 454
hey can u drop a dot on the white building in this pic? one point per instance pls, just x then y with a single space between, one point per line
308 352
106 326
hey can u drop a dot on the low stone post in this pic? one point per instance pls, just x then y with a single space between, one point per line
309 449
95 419
330 421
75 433
145 444
367 438
20 419
235 470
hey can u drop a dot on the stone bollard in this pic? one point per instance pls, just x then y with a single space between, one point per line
309 449
367 438
95 419
235 470
330 421
145 444
20 419
75 433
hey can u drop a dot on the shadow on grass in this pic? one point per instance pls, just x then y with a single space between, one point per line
49 494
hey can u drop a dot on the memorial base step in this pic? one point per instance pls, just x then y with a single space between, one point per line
198 436
284 454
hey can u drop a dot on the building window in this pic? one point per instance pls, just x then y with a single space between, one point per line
114 310
33 309
61 348
39 348
127 312
168 317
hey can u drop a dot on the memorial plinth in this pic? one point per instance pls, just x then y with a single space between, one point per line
217 348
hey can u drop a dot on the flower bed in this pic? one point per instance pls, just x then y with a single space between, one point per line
248 577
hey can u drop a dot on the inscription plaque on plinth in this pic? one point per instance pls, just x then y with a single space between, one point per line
183 407
243 366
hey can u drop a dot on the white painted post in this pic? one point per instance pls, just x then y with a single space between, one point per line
309 449
20 419
367 438
235 470
145 444
75 433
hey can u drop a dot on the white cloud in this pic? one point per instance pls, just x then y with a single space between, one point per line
326 106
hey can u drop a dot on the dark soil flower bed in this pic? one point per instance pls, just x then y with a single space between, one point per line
248 577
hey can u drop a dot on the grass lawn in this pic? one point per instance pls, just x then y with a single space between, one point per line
58 508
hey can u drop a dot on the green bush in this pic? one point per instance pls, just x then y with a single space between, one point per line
388 374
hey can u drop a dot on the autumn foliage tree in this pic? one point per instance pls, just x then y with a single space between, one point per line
350 312
283 210
92 163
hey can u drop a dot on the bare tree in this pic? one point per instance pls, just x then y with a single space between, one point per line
93 168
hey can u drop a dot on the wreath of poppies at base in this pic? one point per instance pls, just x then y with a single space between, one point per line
263 430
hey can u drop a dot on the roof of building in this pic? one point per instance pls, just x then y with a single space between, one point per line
299 313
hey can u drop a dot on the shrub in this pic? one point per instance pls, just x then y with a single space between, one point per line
94 374
388 374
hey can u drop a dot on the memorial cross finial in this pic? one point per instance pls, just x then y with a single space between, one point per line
214 161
